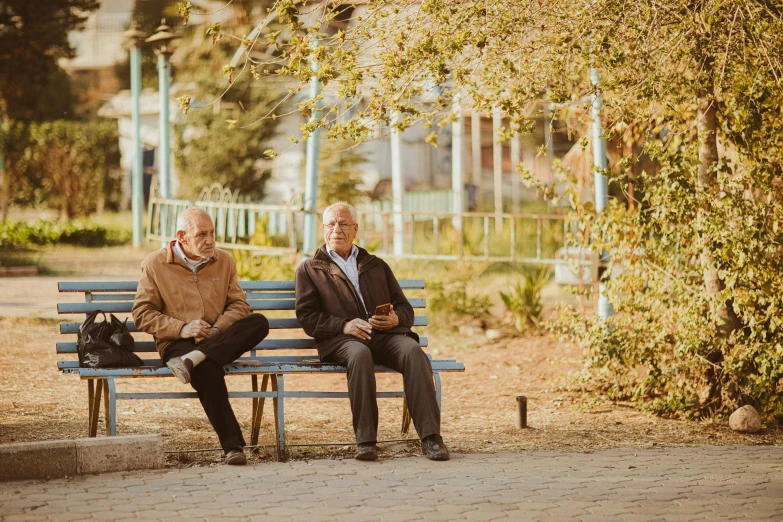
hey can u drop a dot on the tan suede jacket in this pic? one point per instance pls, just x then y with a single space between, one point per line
170 295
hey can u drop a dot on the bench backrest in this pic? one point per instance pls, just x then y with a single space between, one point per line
273 298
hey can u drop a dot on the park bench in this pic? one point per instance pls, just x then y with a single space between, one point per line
265 361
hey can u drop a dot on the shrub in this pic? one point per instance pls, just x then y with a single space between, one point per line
20 235
524 297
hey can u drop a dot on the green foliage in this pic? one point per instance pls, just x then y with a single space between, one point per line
254 267
68 165
225 141
524 297
453 293
693 87
339 174
20 235
33 38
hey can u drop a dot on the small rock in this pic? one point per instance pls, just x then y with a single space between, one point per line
745 420
470 329
494 333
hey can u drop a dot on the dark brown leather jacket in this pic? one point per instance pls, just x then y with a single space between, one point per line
326 299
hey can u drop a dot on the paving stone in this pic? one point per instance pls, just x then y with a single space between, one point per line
688 483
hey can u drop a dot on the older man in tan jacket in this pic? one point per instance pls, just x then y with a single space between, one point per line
189 299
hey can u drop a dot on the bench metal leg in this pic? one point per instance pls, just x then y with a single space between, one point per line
106 417
438 390
111 428
258 409
278 406
90 394
254 387
94 395
406 417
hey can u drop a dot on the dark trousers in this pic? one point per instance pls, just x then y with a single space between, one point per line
209 379
401 353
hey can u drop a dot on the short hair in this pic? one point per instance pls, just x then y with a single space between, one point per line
341 204
185 218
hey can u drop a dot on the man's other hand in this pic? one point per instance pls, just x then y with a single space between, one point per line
385 322
198 329
358 328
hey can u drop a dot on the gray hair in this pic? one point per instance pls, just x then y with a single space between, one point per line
186 217
341 204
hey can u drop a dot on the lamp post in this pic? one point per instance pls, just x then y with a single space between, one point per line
311 166
601 187
133 38
163 39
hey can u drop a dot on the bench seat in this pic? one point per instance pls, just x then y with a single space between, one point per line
263 296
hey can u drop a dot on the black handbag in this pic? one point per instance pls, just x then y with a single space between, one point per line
106 344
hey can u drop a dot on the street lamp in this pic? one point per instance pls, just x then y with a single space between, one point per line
134 38
163 39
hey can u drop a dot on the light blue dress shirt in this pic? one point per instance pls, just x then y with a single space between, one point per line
350 268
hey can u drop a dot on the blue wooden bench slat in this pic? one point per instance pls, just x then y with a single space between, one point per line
130 286
266 344
275 323
117 297
127 306
282 367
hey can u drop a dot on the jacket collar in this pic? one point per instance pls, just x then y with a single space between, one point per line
322 260
173 258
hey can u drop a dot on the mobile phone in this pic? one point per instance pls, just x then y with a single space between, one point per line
384 309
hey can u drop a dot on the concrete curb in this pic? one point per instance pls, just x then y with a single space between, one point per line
60 458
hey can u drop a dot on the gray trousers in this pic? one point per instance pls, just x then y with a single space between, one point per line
401 353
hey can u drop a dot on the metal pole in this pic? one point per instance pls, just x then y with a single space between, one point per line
516 158
521 412
137 190
164 80
164 172
311 168
456 163
601 187
475 152
397 187
497 167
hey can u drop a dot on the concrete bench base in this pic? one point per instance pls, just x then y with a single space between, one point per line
59 458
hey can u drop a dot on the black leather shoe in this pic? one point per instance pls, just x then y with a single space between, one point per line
433 447
366 451
236 457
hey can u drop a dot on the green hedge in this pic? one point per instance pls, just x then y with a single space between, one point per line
67 165
18 235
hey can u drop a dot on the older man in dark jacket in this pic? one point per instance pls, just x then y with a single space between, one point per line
337 292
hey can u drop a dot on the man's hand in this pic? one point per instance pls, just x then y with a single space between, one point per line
207 334
197 329
358 328
385 322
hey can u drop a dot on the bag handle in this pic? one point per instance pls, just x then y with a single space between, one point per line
91 319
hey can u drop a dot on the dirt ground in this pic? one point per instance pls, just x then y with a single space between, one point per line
37 402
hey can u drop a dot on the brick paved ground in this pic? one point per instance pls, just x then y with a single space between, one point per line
698 483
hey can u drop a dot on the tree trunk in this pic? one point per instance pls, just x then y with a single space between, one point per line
722 313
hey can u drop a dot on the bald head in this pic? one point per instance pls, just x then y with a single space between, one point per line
186 218
196 233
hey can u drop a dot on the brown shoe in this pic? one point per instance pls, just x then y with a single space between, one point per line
181 368
433 447
236 457
366 451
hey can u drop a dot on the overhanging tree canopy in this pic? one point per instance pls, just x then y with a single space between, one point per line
697 328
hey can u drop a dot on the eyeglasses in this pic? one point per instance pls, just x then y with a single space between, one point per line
344 227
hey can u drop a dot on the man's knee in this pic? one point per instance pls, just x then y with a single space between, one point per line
358 357
259 323
411 352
